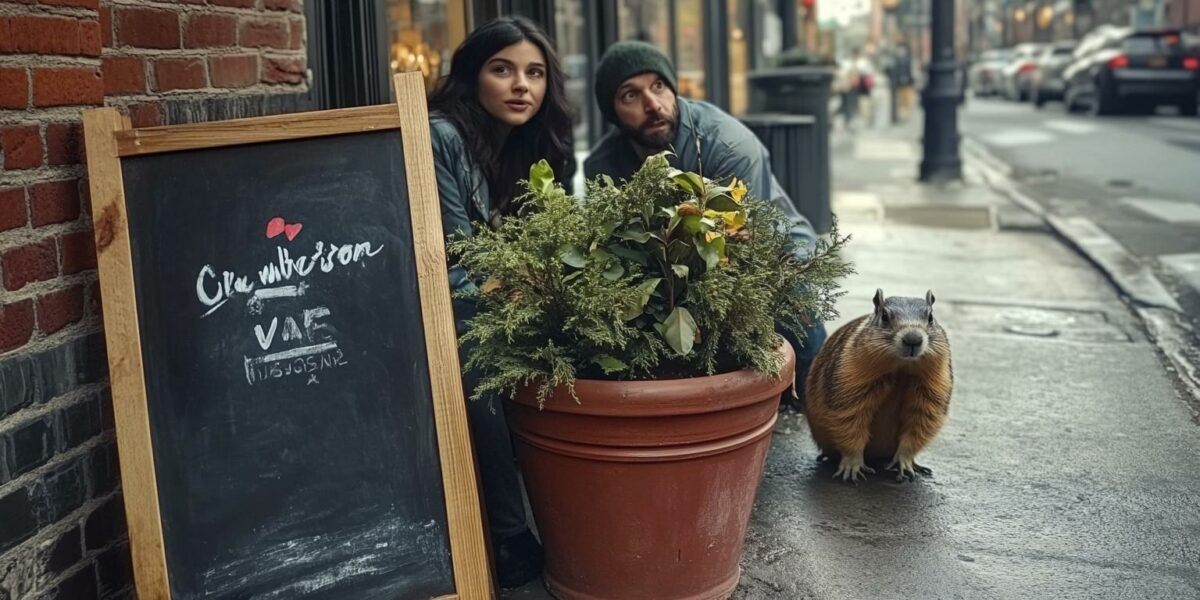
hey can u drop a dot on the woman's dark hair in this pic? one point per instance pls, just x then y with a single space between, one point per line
547 135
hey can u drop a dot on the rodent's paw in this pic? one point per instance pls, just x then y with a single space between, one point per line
852 468
908 468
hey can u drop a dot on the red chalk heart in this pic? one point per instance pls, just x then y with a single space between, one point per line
292 230
275 227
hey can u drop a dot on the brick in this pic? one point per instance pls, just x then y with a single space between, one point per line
60 554
146 114
93 305
104 470
54 202
291 5
89 38
296 37
26 264
262 33
210 31
16 380
13 210
59 309
233 3
63 491
44 35
233 71
64 143
179 74
92 4
123 75
14 88
22 147
114 569
106 26
283 70
67 86
30 445
78 252
147 28
16 327
38 378
80 422
105 524
19 522
80 585
106 410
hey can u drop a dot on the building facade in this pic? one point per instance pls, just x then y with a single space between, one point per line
62 531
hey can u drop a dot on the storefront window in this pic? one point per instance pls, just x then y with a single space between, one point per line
645 20
420 36
569 27
739 56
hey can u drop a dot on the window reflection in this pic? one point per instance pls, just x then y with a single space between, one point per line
419 37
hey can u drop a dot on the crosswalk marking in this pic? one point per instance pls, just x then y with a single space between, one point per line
1074 127
1019 137
1166 210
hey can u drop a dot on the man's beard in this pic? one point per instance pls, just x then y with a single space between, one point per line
659 140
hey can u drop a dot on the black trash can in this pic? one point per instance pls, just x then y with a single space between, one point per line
802 90
800 161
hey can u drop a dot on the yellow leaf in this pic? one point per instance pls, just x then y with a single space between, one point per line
734 220
711 235
492 284
737 190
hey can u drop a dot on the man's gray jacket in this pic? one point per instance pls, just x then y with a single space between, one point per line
727 148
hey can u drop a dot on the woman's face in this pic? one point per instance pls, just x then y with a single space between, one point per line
512 83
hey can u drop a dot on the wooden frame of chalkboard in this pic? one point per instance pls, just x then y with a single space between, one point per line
110 141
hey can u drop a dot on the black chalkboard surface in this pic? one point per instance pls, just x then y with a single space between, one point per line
276 289
282 355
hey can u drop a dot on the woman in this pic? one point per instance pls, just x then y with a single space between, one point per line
501 109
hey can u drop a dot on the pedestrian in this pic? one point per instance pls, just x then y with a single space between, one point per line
848 84
501 108
635 87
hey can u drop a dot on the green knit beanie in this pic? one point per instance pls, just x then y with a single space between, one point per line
623 60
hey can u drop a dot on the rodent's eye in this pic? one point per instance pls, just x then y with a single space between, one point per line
931 317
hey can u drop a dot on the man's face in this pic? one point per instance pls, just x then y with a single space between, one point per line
647 111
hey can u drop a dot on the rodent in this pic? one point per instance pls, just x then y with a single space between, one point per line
880 388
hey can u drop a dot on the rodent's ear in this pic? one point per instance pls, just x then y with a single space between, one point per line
929 297
878 298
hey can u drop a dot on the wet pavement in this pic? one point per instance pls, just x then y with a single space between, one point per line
1070 463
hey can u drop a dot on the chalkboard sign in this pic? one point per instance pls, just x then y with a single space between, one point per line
289 411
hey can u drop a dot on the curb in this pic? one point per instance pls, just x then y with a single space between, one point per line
1155 307
1119 265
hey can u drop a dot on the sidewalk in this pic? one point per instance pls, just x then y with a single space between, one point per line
1069 467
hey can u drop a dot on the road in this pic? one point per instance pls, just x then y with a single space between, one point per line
1135 177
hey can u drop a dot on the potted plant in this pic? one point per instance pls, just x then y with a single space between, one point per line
636 335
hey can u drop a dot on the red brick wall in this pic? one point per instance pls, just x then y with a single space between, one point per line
62 532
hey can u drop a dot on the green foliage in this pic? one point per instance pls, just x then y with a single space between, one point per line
668 275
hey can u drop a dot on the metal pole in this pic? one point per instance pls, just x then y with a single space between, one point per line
716 52
941 161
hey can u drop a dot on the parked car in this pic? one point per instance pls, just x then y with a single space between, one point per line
1046 81
1128 69
1016 74
983 76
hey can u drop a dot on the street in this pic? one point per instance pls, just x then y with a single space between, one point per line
1133 177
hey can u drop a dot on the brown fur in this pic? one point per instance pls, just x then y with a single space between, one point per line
866 402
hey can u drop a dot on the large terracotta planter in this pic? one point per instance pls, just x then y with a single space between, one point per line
643 489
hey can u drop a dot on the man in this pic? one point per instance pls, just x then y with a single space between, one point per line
635 88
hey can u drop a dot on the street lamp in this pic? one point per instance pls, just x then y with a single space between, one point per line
940 161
